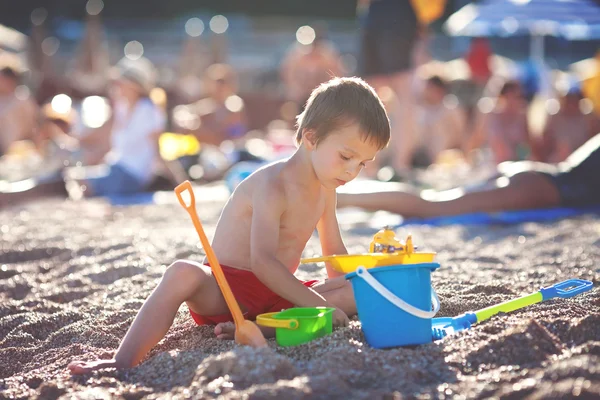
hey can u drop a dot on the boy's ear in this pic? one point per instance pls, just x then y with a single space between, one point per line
308 138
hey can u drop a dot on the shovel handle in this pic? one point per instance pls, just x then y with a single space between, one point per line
182 188
234 307
566 289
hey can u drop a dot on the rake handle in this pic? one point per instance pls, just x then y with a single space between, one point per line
565 289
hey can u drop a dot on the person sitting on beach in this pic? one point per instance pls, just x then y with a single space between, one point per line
18 110
136 124
566 129
306 66
221 116
268 220
504 126
53 141
478 58
440 122
519 185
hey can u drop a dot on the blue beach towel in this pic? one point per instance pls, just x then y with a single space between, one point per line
504 217
131 199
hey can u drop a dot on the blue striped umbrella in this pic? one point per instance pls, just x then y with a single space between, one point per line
571 19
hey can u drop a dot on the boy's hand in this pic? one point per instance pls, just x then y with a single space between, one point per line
340 318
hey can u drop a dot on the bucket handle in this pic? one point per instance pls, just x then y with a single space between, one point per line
268 320
363 273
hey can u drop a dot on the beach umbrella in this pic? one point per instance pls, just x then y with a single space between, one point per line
569 19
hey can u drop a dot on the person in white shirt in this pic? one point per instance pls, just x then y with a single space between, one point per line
137 122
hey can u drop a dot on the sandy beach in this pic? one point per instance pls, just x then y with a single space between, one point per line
73 276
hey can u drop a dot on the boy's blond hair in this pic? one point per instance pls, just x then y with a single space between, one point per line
343 101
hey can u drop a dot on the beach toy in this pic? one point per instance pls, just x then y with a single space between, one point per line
347 263
385 241
385 250
298 325
246 332
449 325
395 303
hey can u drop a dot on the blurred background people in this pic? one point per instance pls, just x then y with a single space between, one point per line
441 122
136 123
502 125
389 31
478 58
221 115
567 127
309 63
18 110
225 89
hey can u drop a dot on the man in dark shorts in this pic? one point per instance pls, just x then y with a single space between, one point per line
388 35
389 32
519 185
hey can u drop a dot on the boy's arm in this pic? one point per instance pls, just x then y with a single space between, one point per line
268 205
329 232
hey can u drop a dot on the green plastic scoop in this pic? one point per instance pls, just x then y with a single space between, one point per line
444 326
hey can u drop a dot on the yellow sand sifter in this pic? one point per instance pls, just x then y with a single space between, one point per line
385 249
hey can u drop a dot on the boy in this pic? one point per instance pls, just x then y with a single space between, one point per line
268 221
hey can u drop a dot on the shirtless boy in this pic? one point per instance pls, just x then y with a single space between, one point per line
268 220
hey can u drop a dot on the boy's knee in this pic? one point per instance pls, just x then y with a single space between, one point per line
185 272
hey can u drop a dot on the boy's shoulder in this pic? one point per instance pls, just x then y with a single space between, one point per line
268 177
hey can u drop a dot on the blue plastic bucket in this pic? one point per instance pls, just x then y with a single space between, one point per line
395 303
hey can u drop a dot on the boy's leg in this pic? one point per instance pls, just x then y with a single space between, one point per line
338 291
226 331
183 281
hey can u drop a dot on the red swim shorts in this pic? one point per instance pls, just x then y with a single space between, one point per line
250 293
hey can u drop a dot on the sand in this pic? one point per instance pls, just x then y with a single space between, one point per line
73 275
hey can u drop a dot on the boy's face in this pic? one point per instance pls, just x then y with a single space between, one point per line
340 156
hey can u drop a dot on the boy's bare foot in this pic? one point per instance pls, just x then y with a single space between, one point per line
83 367
225 331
